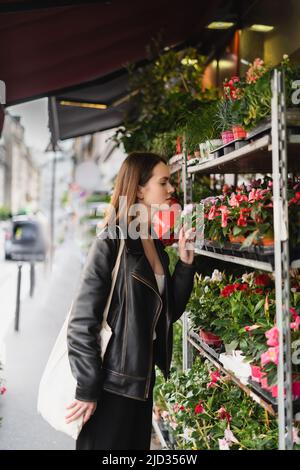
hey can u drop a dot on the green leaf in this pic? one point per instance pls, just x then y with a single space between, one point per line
236 230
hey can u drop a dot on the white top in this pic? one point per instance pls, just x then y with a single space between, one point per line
160 279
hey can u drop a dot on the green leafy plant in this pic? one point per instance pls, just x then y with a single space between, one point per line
204 410
224 115
165 92
5 213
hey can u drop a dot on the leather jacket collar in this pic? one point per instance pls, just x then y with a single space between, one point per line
142 268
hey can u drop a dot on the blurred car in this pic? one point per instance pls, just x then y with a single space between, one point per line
25 240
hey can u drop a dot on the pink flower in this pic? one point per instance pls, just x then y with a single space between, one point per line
199 408
212 213
252 327
230 438
256 373
272 335
2 390
271 355
177 407
211 385
264 384
293 311
296 438
215 375
295 325
223 444
233 201
224 216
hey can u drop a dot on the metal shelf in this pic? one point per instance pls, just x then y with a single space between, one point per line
176 167
159 433
255 157
176 159
196 344
260 265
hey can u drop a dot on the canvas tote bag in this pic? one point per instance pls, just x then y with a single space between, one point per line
57 387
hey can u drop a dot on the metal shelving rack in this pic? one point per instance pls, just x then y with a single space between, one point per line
265 154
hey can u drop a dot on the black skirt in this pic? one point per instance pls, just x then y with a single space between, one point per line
119 423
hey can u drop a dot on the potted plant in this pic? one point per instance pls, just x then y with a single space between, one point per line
224 120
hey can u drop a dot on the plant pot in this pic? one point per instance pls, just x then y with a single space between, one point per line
227 136
265 241
213 144
237 239
203 150
268 241
210 338
239 132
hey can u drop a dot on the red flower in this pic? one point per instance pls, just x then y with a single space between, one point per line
223 414
199 408
296 389
262 280
259 291
2 390
227 291
242 221
243 287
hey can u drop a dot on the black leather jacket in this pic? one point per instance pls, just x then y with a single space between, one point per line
136 310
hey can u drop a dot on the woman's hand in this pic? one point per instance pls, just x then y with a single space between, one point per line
186 245
78 408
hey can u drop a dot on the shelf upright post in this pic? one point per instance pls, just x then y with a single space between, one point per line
187 350
281 239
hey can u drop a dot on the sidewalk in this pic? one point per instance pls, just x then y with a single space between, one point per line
26 355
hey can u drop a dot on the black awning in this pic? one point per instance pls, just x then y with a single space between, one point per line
75 118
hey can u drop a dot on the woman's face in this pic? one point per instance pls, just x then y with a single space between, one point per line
158 189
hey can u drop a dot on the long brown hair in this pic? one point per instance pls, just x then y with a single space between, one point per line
135 171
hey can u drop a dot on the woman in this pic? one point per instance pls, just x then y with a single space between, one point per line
145 302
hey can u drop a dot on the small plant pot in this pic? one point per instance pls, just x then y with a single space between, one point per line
239 132
203 150
210 338
213 144
227 136
237 239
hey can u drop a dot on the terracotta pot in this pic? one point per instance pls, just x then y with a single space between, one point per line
236 239
268 241
227 136
210 338
265 241
239 132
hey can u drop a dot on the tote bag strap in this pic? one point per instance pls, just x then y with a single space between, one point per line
114 277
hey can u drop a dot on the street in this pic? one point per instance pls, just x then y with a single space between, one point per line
24 353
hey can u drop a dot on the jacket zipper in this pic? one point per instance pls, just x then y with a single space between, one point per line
152 331
167 319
